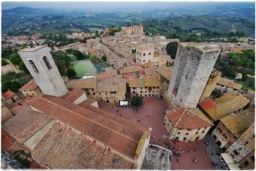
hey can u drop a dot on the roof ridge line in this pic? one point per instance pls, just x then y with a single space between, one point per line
72 93
201 117
91 120
180 117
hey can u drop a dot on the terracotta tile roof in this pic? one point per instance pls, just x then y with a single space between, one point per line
24 125
234 124
30 86
165 72
188 118
111 85
136 83
145 65
65 148
131 69
137 129
87 102
151 72
114 134
151 82
82 83
248 115
8 94
144 47
73 95
229 83
103 76
223 106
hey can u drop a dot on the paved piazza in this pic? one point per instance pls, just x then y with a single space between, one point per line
150 114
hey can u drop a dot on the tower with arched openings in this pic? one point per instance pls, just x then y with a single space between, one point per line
42 67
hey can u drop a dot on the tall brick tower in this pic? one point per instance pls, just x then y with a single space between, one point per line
42 67
192 67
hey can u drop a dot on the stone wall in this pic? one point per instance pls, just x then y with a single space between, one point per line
238 151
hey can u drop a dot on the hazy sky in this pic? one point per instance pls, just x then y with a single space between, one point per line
87 4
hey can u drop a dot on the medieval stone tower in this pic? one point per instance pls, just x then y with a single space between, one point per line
42 67
192 68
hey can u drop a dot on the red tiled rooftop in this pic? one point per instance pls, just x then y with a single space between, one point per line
8 94
24 125
66 148
90 123
73 95
87 102
188 119
207 104
31 85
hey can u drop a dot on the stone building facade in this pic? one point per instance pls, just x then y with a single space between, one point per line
132 29
165 76
186 124
244 145
226 85
144 53
42 67
9 98
146 87
193 66
31 89
104 91
248 163
211 83
229 129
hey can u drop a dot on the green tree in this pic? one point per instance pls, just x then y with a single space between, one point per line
23 67
136 101
133 51
71 73
171 49
4 62
93 57
104 58
22 157
15 59
217 93
62 61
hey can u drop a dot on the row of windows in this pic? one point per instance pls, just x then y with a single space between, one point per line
147 88
144 54
145 92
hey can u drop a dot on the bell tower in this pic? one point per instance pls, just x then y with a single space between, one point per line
42 67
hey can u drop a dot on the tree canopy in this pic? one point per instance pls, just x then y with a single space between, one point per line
104 58
4 62
171 49
71 73
136 101
93 57
62 61
16 60
245 58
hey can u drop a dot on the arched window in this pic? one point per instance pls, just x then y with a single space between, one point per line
47 63
33 66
